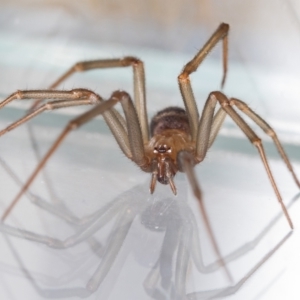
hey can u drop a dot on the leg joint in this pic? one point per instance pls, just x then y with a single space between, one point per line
131 60
239 104
220 97
270 132
257 142
79 67
19 94
190 67
49 106
86 94
72 125
120 95
184 77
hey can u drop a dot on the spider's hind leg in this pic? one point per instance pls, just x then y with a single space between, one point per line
226 104
136 150
268 130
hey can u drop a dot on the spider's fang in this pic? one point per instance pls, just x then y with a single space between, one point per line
172 185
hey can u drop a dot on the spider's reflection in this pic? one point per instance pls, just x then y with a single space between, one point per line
173 221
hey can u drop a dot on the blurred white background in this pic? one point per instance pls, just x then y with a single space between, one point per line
39 40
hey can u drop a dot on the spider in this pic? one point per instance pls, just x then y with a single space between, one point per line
178 139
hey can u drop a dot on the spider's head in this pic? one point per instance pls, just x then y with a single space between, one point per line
163 167
166 168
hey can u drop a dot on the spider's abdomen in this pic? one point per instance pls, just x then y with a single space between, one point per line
170 118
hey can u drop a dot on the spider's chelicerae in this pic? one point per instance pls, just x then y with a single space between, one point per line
178 138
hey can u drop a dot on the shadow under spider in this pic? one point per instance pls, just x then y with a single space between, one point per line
180 246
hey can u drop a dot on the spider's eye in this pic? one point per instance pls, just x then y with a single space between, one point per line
162 149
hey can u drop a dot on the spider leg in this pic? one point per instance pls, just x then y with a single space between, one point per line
92 222
184 81
99 109
133 126
134 134
218 120
60 210
186 163
113 118
208 127
138 84
254 139
267 129
74 97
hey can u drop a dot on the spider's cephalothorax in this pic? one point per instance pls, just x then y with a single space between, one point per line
170 133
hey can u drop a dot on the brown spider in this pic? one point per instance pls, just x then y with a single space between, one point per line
179 139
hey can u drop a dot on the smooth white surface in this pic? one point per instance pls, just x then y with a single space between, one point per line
89 171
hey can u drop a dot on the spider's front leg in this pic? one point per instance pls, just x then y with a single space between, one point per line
184 81
138 85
